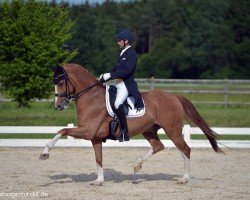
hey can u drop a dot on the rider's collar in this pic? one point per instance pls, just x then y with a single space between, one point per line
125 49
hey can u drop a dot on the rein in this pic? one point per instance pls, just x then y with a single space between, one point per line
75 97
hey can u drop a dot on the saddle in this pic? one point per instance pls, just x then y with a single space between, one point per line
129 104
129 109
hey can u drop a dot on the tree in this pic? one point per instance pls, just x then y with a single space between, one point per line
211 40
32 34
174 38
239 20
166 40
95 36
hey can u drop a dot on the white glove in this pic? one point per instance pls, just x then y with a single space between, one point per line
105 76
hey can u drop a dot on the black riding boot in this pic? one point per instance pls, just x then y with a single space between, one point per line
123 123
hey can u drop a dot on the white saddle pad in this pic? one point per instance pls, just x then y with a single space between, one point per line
131 101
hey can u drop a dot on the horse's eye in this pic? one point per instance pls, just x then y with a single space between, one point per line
60 84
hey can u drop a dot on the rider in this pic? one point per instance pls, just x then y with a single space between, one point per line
124 71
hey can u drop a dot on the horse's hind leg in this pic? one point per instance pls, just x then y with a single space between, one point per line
153 139
175 134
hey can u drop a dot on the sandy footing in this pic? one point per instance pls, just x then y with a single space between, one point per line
66 175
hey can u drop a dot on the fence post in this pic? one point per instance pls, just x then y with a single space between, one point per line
70 137
186 132
226 93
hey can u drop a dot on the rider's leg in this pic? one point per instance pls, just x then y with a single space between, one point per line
121 96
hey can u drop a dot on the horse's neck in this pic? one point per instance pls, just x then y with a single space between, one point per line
91 104
90 101
84 81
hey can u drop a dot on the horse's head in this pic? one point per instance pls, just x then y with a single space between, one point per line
71 82
64 89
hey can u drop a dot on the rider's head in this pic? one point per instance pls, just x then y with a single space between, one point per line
124 38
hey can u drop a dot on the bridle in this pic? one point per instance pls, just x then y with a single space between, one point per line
69 96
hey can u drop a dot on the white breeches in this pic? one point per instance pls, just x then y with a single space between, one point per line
122 94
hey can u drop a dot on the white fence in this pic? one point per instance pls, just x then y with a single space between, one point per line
71 142
225 87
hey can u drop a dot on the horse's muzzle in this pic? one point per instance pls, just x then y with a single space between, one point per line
62 105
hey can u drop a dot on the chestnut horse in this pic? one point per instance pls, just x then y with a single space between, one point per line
163 110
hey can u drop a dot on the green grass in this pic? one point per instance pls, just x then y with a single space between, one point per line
218 116
195 86
203 137
38 114
188 87
240 98
222 137
41 114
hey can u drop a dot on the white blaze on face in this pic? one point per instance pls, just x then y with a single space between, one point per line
55 93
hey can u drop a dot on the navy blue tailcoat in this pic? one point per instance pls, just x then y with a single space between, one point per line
125 69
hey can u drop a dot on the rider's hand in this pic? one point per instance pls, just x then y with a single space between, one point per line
105 76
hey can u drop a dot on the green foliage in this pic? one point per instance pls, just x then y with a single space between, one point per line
239 20
175 39
94 36
32 34
211 39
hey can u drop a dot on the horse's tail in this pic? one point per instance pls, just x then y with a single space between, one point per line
192 115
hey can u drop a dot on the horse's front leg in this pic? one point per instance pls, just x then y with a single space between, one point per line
74 132
45 153
97 144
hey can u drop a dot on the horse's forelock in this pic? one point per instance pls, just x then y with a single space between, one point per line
59 74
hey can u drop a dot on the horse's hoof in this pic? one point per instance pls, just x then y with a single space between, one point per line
44 156
137 168
182 180
96 183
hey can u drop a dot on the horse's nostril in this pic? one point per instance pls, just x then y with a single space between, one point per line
59 107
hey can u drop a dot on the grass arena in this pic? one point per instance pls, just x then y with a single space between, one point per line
66 175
